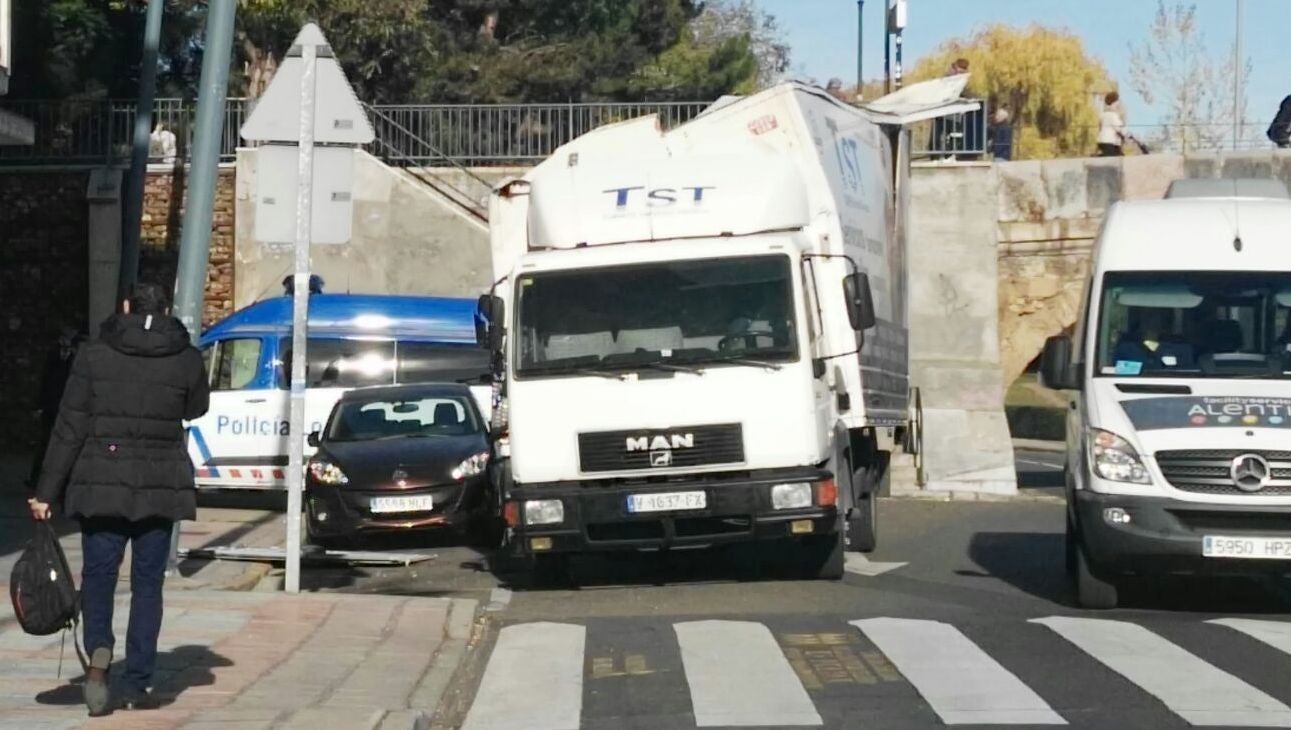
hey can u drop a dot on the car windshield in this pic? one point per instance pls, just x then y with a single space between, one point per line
665 315
366 420
1195 324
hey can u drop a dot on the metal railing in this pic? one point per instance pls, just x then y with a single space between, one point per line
100 131
1188 138
961 136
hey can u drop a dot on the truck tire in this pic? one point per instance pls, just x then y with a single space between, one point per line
863 524
1092 591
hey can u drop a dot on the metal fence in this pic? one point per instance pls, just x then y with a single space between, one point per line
962 136
97 132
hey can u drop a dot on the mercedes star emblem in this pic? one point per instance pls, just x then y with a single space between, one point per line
1250 472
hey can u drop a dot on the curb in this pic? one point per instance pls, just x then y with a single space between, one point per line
1056 447
1024 494
249 579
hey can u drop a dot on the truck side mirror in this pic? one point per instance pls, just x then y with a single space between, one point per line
1057 372
313 438
860 302
489 326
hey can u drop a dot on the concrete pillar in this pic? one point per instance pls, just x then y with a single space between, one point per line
954 340
104 197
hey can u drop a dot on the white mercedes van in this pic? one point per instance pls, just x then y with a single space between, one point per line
1179 432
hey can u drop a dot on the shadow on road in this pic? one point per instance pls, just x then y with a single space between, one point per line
1035 563
178 670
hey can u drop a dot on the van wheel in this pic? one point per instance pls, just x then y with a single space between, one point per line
1071 546
1092 591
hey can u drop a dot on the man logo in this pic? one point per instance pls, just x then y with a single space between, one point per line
1250 472
660 458
661 442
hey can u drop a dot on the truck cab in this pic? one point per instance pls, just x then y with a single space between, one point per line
1180 373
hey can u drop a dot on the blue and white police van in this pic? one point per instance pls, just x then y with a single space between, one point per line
354 341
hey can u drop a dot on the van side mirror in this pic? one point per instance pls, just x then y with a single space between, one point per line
313 439
1057 371
488 333
860 302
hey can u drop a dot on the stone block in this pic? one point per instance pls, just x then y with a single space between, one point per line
1023 195
1282 166
1201 166
1066 186
968 450
1104 185
1247 165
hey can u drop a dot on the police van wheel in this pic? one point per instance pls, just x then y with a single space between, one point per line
1092 591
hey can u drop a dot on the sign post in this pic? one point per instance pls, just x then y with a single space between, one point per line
310 90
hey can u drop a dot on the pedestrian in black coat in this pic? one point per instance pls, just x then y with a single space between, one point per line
1280 129
58 366
117 462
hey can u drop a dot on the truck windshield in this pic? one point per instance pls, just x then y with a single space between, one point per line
735 311
1195 324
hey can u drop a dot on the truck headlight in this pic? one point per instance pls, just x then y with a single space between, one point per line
472 466
544 512
1115 459
325 472
791 496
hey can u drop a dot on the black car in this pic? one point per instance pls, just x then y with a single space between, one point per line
399 458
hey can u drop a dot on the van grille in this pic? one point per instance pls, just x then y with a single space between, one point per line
1206 471
652 449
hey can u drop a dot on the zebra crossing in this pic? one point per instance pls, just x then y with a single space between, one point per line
865 672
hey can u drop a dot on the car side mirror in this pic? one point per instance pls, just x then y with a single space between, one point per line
313 439
1057 371
860 302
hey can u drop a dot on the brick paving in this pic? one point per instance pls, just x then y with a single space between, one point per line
255 660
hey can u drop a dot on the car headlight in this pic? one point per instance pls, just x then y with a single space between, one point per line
1115 459
325 472
472 466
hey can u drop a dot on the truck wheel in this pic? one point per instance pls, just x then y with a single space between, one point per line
1092 591
863 524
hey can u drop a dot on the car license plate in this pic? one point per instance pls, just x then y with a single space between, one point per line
1252 548
381 505
667 501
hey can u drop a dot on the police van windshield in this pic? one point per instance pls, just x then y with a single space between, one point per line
674 314
341 363
1195 324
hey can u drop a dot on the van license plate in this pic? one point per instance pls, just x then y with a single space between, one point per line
667 501
382 505
1252 548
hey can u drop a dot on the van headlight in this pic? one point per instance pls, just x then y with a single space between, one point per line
1115 459
325 472
472 466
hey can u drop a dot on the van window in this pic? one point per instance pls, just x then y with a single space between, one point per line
428 362
342 363
236 364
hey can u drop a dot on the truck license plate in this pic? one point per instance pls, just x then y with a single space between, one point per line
1253 548
667 501
380 505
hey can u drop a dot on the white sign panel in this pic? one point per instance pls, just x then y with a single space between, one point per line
277 175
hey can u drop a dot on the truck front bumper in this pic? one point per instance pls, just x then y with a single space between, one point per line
1164 536
596 515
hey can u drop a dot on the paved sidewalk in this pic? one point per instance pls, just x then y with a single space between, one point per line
255 660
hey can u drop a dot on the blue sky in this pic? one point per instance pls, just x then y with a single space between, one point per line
822 34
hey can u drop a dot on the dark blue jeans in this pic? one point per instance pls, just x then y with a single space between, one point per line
103 544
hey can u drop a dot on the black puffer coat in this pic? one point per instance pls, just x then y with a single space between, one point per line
118 446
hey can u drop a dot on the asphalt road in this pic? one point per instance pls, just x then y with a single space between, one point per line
963 616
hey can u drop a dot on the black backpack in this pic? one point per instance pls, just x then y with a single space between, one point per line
44 597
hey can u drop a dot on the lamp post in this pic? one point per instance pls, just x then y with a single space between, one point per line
1239 69
860 48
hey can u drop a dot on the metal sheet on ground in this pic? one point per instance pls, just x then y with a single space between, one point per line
533 681
962 683
739 677
278 555
1192 688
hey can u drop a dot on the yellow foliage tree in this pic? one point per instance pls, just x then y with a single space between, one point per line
1044 76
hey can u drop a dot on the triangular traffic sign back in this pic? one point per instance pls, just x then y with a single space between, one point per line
338 116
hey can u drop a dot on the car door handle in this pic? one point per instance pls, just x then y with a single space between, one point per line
255 400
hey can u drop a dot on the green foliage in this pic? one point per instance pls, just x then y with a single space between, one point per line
1043 75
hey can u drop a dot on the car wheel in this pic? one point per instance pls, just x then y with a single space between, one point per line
1092 591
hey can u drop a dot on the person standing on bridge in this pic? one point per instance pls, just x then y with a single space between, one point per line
1111 127
117 462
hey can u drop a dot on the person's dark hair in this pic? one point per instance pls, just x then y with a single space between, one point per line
1111 98
148 298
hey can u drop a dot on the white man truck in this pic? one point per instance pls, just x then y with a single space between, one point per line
700 334
1178 458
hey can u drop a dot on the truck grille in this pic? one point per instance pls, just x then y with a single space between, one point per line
652 449
1207 471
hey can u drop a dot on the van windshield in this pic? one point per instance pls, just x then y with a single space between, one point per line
666 315
1195 324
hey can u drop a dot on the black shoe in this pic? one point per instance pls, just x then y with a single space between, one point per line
98 698
139 700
